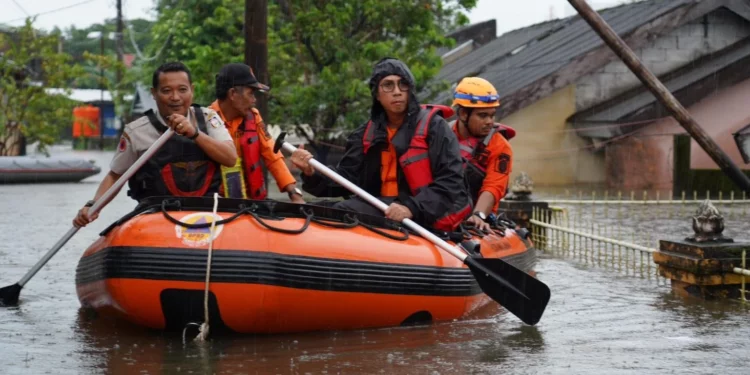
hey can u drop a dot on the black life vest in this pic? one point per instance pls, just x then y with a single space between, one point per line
179 168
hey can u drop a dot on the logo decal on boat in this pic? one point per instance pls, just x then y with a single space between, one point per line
197 237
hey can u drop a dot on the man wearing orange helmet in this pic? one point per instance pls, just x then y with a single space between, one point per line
484 146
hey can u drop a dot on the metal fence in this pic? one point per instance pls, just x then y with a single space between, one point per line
655 198
556 232
622 233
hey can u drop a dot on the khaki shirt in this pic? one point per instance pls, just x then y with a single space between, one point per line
139 135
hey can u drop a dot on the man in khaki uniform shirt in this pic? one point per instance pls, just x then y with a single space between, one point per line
173 91
139 135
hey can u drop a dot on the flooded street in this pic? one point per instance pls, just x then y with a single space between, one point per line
598 320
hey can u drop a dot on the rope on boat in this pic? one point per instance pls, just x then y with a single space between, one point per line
203 330
166 203
309 218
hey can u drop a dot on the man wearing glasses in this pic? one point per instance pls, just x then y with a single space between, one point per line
236 86
405 154
484 146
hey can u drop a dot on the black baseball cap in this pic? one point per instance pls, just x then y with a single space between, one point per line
231 75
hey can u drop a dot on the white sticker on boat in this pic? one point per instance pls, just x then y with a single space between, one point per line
197 237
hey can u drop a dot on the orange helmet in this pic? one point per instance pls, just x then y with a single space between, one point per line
475 92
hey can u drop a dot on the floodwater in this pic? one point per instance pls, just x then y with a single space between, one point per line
599 321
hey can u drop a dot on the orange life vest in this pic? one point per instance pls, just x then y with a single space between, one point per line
415 162
251 159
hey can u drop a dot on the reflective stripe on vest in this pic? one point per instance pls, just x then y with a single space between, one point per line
233 180
415 162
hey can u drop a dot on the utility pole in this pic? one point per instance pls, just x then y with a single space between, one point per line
256 48
120 51
101 92
256 53
663 95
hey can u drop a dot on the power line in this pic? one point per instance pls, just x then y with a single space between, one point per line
138 52
21 8
51 11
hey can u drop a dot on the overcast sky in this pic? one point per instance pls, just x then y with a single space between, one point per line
510 14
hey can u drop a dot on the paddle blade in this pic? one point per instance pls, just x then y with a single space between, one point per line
520 293
9 295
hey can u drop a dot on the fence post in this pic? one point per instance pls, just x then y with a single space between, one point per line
703 264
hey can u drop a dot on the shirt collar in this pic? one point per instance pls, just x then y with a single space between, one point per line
161 119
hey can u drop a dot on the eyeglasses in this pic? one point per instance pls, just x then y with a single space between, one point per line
389 86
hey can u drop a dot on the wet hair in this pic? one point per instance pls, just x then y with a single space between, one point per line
174 66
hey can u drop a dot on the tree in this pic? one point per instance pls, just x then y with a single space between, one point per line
77 43
321 53
117 90
203 34
329 48
29 66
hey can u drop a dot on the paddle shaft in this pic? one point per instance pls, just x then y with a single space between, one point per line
523 295
99 204
452 250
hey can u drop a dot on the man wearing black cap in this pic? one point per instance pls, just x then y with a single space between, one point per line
236 86
405 154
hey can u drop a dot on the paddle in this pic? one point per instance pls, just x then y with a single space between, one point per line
520 293
9 294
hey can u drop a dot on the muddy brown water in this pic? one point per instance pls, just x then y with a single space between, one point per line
598 320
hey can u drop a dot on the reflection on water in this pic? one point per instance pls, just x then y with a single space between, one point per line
598 320
396 350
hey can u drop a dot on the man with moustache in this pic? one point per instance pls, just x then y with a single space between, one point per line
405 154
188 164
236 86
484 146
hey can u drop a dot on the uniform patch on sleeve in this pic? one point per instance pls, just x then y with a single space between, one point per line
124 140
215 121
503 163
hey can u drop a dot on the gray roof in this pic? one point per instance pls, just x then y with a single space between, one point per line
481 33
630 105
493 51
549 47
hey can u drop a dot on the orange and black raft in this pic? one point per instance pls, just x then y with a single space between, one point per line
281 267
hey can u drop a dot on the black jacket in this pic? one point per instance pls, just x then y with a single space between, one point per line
432 202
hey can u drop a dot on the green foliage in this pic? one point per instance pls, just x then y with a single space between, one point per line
203 34
110 65
321 53
78 44
30 65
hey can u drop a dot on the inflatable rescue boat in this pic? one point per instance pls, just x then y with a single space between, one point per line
27 169
282 267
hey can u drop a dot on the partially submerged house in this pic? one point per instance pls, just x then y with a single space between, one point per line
584 118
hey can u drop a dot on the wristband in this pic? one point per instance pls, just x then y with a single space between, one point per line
197 133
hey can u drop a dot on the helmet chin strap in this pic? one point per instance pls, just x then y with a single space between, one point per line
466 123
